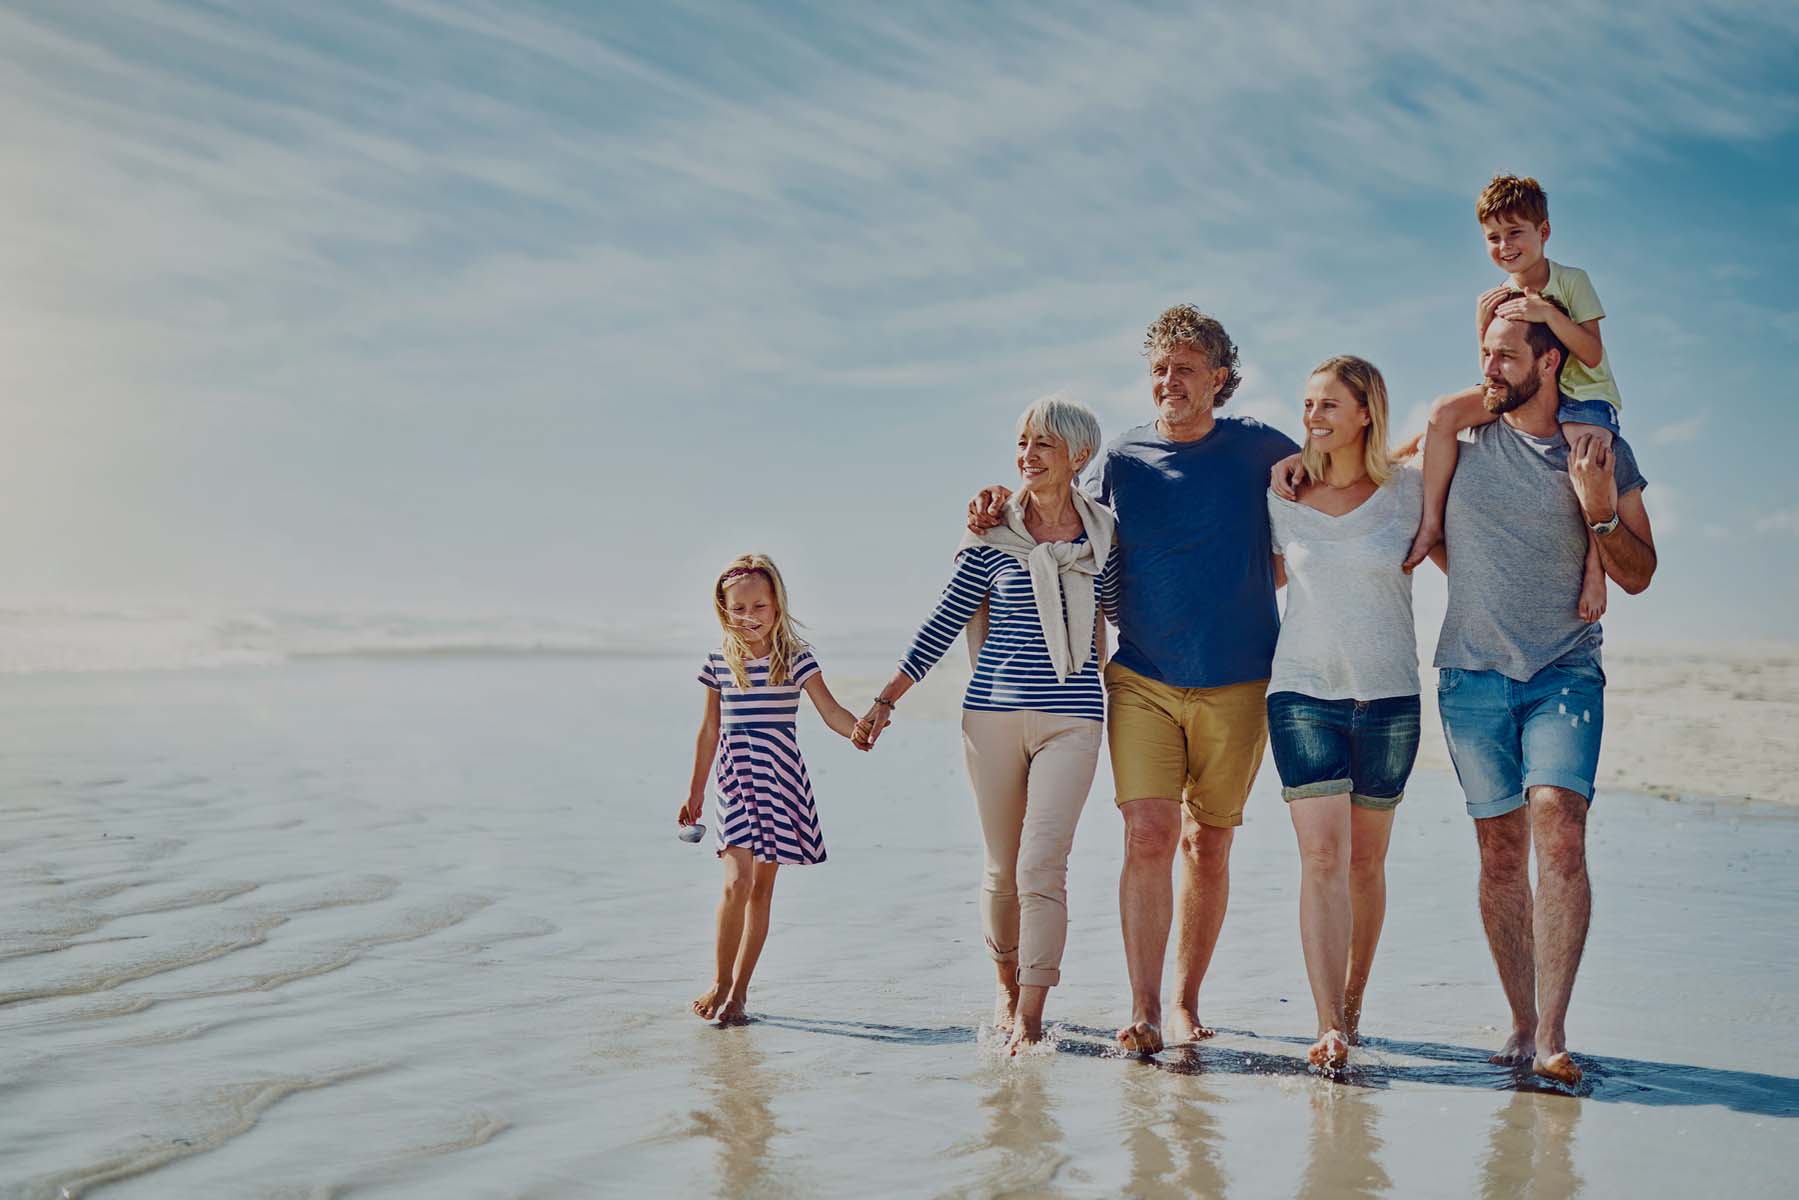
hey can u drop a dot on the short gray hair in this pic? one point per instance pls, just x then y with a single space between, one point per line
1070 422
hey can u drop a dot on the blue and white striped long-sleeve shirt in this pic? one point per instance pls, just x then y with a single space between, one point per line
1013 670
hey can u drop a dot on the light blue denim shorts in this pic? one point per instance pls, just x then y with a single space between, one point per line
1587 412
1506 737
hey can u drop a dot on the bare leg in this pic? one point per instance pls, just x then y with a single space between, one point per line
1370 830
1204 895
1563 909
1505 910
755 933
1321 824
1029 1030
739 870
1005 995
1152 828
1448 416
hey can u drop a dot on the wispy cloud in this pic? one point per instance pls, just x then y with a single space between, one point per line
1779 522
458 275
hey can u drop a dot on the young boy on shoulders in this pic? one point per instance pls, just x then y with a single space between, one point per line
1514 213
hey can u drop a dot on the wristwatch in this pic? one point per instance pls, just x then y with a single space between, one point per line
1601 528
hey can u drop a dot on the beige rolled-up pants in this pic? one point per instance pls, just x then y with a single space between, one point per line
1031 772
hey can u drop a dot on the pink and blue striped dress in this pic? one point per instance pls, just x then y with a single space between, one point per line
764 794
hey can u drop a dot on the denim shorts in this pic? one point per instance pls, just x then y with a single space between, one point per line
1506 737
1587 412
1327 747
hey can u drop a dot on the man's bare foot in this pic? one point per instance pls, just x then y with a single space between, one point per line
1187 1027
1427 537
1330 1052
706 1006
1592 598
1518 1051
1140 1038
731 1013
1559 1067
1005 1008
1028 1034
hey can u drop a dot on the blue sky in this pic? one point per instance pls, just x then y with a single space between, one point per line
552 308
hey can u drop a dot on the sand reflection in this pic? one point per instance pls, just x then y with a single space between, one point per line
1342 1158
1530 1148
1021 1125
1171 1134
740 1117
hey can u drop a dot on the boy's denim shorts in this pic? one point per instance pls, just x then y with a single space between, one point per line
1327 747
1506 737
1587 412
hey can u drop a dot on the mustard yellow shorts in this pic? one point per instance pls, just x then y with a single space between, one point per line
1202 746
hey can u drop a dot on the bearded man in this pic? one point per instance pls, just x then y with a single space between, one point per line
1520 687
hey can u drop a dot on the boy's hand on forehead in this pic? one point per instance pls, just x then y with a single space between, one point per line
1489 301
1529 307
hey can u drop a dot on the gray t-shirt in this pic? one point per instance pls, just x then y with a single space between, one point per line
1517 545
1347 633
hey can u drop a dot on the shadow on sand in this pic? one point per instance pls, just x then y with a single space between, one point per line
1626 1080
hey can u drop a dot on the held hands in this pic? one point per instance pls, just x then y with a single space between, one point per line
692 811
988 508
1529 307
868 729
1590 465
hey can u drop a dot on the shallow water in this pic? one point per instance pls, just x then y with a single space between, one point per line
421 927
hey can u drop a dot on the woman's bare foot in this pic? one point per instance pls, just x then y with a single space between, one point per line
1330 1052
731 1012
1028 1033
1140 1037
1518 1051
1559 1067
708 1003
1005 1007
1186 1026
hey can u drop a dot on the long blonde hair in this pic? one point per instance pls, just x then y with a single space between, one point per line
1363 379
784 645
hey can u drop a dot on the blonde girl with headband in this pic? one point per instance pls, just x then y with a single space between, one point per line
765 811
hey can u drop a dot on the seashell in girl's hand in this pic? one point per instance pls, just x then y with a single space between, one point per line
691 833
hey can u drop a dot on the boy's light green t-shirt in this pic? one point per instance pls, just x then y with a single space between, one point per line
1571 286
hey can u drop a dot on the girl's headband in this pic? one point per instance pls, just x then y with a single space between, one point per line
739 573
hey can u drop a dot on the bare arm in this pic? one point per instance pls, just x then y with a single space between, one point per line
1627 552
1582 338
880 715
705 748
840 720
1280 570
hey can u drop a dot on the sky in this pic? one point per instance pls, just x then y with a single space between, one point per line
552 308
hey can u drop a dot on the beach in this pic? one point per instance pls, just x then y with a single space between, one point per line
417 925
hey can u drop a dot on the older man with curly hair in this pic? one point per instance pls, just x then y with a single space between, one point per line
1185 712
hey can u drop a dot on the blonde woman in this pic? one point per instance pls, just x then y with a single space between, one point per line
766 815
1343 694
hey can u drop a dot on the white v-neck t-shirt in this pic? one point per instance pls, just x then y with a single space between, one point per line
1348 633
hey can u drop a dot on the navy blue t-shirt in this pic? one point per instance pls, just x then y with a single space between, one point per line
1196 589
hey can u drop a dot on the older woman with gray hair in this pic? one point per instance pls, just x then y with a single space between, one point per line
1030 592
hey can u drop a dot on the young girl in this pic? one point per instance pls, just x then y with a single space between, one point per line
765 811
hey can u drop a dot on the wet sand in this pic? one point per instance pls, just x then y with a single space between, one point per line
421 928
